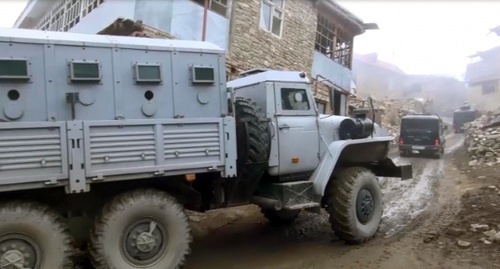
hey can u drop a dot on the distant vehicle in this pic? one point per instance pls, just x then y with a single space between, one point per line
463 115
422 134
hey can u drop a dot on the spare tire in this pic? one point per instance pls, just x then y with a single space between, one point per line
252 132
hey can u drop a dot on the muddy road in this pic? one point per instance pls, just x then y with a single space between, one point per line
416 212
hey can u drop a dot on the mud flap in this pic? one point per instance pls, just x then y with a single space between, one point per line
387 168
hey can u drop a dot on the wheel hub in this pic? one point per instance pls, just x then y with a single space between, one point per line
18 252
364 206
145 242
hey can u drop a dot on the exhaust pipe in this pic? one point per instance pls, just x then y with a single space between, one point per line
267 202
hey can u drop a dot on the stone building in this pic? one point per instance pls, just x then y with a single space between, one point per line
314 36
483 80
377 78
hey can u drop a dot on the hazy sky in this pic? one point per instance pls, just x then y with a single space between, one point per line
427 37
424 37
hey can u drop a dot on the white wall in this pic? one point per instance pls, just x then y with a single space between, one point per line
329 69
183 19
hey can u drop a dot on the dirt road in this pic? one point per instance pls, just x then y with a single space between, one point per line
414 234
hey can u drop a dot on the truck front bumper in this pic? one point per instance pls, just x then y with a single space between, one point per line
387 168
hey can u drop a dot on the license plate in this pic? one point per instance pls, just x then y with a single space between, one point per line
417 147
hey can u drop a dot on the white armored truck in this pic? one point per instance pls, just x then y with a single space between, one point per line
105 140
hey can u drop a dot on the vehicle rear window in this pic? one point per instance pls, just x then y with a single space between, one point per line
410 125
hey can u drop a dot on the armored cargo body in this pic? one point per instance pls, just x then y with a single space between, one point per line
105 140
462 115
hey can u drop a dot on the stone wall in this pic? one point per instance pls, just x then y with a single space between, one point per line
253 47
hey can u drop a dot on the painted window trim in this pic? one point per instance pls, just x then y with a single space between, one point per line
273 7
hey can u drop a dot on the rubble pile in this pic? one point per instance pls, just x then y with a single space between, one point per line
390 110
482 138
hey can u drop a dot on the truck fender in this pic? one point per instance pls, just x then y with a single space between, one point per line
321 176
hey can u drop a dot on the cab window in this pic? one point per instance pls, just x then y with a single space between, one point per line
294 99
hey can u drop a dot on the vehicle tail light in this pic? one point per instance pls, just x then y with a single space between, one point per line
436 142
401 141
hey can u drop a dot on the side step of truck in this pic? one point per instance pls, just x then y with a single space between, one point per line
288 195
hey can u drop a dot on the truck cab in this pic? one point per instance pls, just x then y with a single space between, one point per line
286 99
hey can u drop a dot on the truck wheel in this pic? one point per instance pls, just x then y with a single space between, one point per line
140 229
354 203
280 217
33 236
254 142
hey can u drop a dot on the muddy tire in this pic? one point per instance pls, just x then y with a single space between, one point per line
140 229
354 203
254 142
34 236
280 217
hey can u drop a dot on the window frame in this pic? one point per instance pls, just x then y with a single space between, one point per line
17 78
330 39
138 80
273 7
202 82
297 86
65 14
73 79
217 3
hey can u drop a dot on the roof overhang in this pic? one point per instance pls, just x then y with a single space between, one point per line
34 10
353 22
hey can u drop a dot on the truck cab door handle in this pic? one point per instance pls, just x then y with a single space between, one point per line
284 126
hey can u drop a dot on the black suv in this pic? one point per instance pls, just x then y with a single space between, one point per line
422 134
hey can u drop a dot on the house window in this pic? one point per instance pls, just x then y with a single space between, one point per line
271 16
65 14
489 87
217 6
333 41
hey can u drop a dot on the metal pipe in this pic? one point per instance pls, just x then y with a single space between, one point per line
205 15
230 37
317 80
267 202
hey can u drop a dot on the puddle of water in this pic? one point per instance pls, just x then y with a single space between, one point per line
406 200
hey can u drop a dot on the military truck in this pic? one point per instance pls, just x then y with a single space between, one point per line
462 115
106 140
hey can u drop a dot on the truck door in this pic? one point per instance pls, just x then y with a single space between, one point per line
296 123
